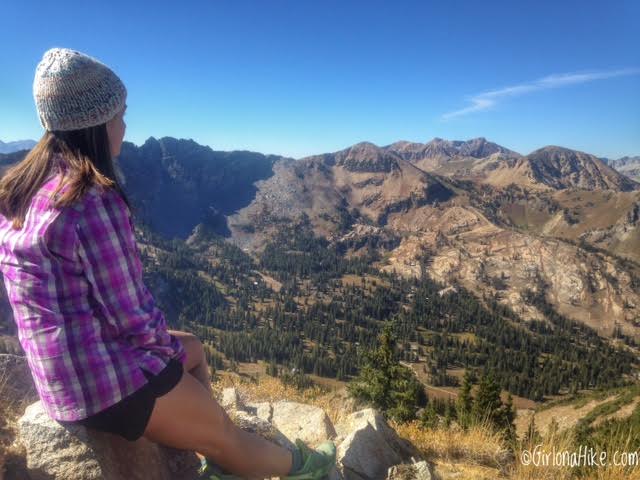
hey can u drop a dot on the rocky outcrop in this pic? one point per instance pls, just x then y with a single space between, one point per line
367 448
587 286
76 453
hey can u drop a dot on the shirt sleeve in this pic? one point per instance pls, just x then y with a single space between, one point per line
109 254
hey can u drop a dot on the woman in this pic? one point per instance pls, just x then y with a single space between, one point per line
97 345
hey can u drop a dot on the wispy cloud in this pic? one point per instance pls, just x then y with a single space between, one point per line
486 100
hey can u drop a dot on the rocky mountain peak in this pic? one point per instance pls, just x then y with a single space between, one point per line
446 149
560 167
367 157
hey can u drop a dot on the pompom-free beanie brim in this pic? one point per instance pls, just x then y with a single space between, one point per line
74 91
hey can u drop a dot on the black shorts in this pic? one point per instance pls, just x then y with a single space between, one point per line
129 417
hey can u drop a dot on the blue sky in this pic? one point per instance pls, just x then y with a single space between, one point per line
301 77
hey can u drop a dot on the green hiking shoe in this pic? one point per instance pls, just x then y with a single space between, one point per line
316 464
210 471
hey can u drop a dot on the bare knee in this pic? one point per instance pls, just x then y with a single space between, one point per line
193 348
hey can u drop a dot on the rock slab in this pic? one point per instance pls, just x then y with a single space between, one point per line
76 453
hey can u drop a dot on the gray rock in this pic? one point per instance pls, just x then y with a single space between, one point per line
410 471
253 424
77 453
306 422
230 399
369 447
263 410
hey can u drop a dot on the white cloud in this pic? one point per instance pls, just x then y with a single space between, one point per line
486 100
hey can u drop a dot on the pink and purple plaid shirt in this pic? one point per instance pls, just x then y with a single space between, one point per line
85 318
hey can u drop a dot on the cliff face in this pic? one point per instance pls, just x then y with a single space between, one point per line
629 166
177 184
466 248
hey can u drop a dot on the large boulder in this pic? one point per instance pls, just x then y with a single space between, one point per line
76 453
230 399
367 447
306 422
253 424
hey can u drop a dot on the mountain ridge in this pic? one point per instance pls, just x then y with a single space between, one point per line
15 146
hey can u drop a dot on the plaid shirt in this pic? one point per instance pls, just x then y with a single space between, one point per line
85 318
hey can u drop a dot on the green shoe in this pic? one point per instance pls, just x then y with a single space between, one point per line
210 471
316 464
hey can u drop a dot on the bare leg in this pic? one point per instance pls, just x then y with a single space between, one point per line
196 363
189 418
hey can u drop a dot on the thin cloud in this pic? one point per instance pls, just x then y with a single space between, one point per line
486 100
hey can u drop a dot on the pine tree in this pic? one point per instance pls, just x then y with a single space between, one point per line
465 400
386 384
487 405
429 416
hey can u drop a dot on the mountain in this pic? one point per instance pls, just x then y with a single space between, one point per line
560 168
625 162
177 184
11 147
629 166
483 161
564 168
489 226
493 238
360 183
450 158
476 148
8 159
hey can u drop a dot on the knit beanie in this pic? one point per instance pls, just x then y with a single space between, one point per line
74 91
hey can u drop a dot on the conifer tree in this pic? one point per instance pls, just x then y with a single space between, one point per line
465 400
386 384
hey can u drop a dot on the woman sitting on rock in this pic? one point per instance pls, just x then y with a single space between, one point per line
96 343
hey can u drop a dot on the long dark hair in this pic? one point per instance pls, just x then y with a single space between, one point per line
87 156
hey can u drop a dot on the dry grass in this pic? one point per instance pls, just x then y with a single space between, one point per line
475 454
9 413
561 442
553 442
335 403
479 453
478 445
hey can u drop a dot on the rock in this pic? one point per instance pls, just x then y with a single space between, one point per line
306 422
369 447
422 470
16 381
263 410
410 471
57 453
253 424
230 399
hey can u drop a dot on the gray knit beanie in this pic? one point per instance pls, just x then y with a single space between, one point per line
74 91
